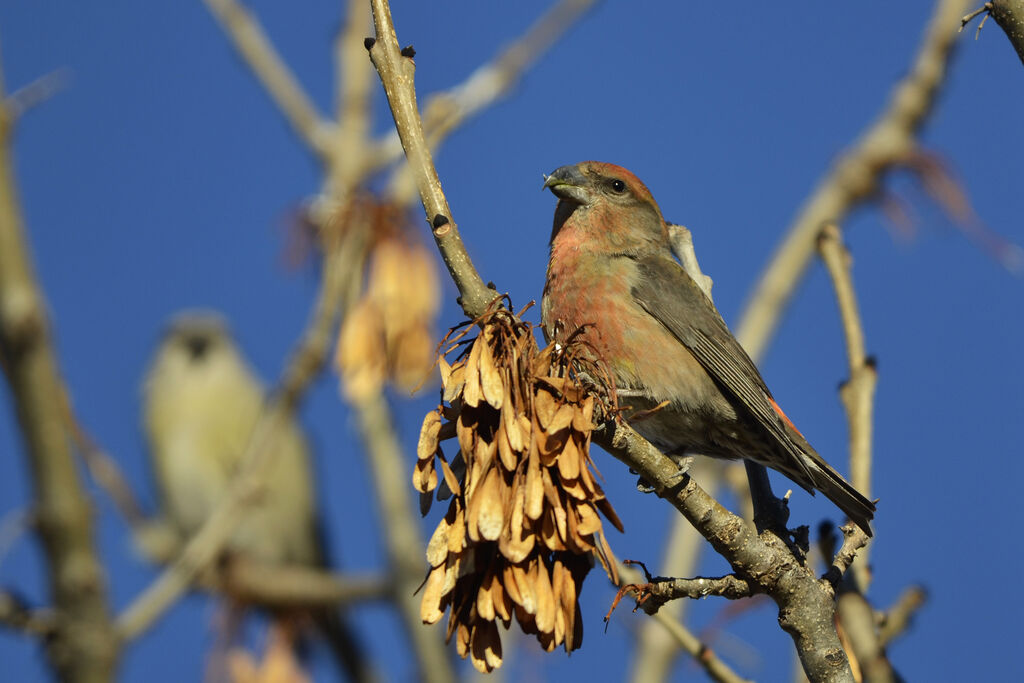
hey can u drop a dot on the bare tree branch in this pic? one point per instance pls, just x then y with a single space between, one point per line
716 669
446 111
281 84
1009 14
898 618
854 178
396 72
805 603
656 647
83 647
17 615
296 585
858 392
403 537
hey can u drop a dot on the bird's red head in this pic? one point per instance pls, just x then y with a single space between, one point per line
604 205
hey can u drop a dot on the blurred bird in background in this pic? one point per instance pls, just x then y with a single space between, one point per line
201 403
689 384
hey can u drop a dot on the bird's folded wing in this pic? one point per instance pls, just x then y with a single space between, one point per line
667 293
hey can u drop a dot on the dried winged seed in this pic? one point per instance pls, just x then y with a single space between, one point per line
607 558
549 532
550 490
572 487
486 450
609 512
569 460
526 621
556 383
534 486
544 407
490 513
508 457
445 368
587 478
429 432
526 427
474 475
512 431
516 541
568 604
424 475
563 418
456 382
437 548
577 631
456 537
450 477
542 362
452 567
527 589
485 646
546 640
462 639
472 392
467 437
541 581
557 569
583 419
500 598
484 602
430 606
589 521
490 379
550 446
508 581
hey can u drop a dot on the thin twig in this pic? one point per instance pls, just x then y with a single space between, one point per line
656 648
716 669
445 111
1009 14
35 93
280 83
277 586
670 626
897 619
402 535
854 178
348 153
858 392
396 73
84 647
17 615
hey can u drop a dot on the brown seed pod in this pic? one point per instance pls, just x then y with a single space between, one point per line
522 525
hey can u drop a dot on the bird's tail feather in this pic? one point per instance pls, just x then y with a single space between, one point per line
859 509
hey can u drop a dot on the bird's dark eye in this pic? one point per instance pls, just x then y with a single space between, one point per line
618 186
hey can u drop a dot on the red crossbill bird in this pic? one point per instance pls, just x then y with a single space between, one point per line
691 387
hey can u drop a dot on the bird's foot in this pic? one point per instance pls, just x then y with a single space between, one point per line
682 461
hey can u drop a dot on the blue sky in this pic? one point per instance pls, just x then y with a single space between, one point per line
161 178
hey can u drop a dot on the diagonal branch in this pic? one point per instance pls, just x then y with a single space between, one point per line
446 111
1009 14
255 48
83 648
396 71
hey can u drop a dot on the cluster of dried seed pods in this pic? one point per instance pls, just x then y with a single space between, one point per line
388 334
522 526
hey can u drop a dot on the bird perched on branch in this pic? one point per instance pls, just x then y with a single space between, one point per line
201 403
690 386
